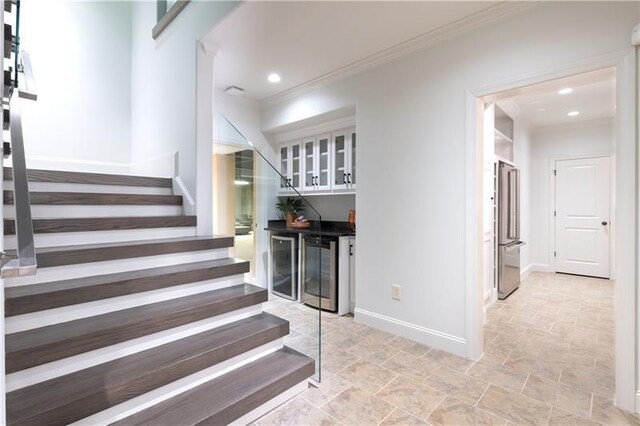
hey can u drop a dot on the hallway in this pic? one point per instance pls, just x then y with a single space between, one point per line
548 360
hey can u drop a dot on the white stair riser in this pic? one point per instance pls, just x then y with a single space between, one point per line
96 237
163 393
84 310
67 272
74 211
69 365
102 189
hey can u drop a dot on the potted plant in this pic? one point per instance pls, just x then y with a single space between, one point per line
290 207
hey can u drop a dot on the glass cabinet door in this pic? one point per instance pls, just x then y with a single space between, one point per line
323 181
339 161
352 159
309 165
284 167
295 165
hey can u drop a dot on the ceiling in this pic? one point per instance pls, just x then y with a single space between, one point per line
305 41
593 95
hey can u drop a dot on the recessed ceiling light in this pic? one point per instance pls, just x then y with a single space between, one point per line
565 91
573 113
274 78
542 109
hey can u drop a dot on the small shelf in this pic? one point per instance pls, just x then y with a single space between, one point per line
501 137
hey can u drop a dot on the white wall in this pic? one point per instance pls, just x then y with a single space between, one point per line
522 160
331 207
81 55
588 138
163 82
411 121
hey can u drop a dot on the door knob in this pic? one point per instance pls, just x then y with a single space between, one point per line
605 223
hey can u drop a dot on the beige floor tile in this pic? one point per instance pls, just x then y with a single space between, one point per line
496 353
565 398
320 393
562 418
356 407
408 345
342 339
455 412
366 375
401 418
448 360
411 366
603 411
373 352
413 397
378 336
519 409
463 387
548 365
599 382
335 359
297 412
498 375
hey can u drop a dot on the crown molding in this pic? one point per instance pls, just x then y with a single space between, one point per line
314 130
453 29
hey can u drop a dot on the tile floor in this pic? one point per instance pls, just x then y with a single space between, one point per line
548 360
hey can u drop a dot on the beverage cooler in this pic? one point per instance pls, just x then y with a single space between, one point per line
284 266
320 272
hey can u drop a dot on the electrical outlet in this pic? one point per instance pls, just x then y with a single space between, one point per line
396 292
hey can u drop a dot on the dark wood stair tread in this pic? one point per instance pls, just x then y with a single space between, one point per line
229 397
37 297
29 348
59 176
69 398
86 253
96 199
88 224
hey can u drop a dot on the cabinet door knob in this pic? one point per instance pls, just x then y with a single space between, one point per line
605 223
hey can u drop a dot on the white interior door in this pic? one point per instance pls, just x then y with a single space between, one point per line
583 216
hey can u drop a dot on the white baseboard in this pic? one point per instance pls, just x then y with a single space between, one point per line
77 165
540 267
437 339
164 165
524 272
188 203
490 297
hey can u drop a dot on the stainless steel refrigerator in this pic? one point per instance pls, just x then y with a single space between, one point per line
508 222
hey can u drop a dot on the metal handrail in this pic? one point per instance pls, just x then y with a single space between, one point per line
25 262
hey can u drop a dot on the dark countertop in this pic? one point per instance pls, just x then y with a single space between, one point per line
329 229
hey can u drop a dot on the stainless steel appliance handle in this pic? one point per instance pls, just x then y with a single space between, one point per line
511 194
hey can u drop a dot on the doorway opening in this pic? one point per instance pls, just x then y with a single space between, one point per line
548 224
234 199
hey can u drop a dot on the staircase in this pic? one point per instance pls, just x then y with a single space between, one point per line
132 318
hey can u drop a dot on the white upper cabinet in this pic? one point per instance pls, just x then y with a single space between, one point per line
344 160
290 159
317 163
322 164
